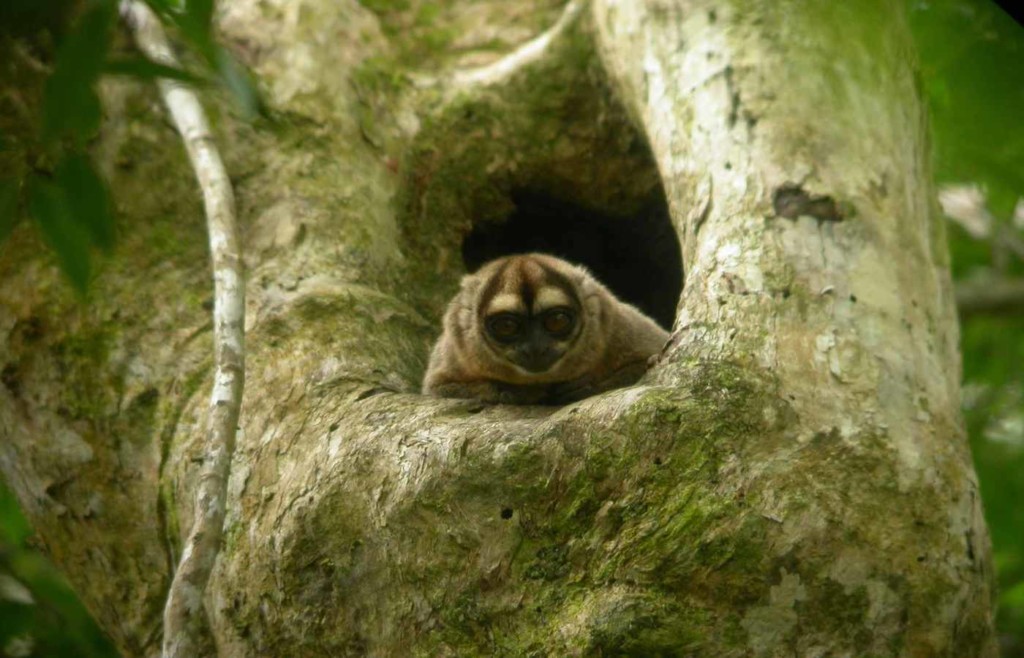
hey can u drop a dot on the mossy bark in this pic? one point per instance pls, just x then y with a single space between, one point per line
792 478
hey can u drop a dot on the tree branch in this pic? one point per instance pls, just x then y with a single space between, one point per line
990 296
527 53
183 613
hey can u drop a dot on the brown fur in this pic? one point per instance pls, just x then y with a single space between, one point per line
609 349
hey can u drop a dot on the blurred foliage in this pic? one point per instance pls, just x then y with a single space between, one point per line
972 60
48 178
971 55
971 73
40 616
76 41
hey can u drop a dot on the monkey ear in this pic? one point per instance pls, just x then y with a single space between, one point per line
581 274
592 292
470 283
584 279
469 288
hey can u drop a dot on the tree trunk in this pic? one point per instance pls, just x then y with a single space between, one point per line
791 478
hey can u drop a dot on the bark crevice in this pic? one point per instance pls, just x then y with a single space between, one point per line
792 201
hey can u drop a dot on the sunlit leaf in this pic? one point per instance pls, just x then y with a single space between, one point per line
140 67
49 208
87 199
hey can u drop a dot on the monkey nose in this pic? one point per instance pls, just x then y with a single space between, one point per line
536 358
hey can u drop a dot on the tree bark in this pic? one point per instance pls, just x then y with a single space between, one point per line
791 478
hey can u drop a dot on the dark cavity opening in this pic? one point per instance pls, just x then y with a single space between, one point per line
636 255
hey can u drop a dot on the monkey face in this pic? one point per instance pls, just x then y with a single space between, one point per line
533 342
529 316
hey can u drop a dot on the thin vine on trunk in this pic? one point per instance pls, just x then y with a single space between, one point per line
183 614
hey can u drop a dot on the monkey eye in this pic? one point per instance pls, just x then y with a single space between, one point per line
504 327
558 322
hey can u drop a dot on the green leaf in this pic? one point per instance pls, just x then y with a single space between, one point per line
71 106
140 67
87 200
970 52
194 24
201 12
8 206
236 79
14 529
1013 597
58 623
49 208
197 33
161 7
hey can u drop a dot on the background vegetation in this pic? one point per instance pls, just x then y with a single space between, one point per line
971 55
972 58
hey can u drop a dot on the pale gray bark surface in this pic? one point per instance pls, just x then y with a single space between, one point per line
792 478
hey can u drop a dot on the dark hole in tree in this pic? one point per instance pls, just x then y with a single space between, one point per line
635 255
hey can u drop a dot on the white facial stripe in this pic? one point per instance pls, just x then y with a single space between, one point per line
550 297
506 302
